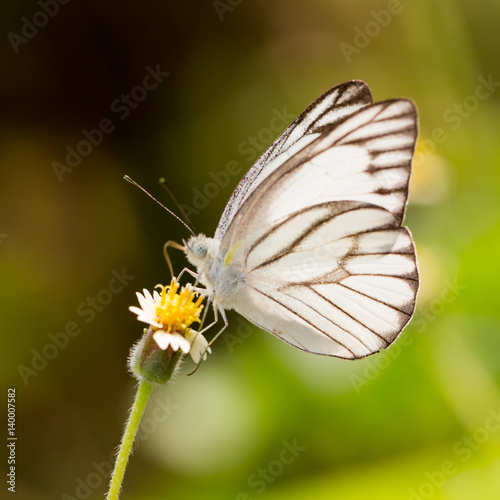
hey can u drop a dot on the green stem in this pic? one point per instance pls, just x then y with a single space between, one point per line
141 400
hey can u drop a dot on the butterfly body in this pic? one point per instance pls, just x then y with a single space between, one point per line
220 274
310 246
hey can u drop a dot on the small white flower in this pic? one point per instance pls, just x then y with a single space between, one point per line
170 314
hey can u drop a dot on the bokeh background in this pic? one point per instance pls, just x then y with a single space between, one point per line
259 419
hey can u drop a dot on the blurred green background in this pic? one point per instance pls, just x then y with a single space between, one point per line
259 419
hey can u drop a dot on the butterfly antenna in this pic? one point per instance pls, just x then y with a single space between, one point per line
164 185
128 179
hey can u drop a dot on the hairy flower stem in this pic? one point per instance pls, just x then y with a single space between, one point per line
141 400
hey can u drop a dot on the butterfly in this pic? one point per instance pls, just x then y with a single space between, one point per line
310 246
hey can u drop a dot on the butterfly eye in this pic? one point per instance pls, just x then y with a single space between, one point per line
200 250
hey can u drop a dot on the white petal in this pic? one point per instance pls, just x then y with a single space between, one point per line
136 310
143 302
176 341
149 321
199 345
140 298
174 344
182 343
162 339
150 304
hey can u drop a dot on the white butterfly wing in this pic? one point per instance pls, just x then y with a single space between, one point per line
338 279
326 264
326 112
366 158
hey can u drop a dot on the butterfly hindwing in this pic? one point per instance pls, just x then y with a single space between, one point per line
338 279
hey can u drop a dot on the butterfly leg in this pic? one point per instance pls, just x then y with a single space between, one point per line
216 319
224 318
189 271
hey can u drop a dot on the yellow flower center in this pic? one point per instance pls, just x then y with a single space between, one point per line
177 311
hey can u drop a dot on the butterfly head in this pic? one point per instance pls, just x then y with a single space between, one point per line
199 250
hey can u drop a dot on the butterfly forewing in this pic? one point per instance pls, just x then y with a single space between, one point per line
358 160
326 112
